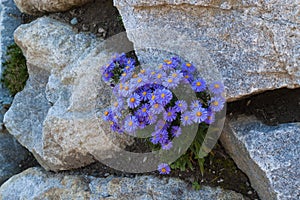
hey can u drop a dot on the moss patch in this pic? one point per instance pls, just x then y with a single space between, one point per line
15 72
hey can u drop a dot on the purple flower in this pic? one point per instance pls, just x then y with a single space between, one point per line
107 75
167 146
170 82
164 96
188 67
161 124
125 90
216 104
164 168
151 118
170 115
199 85
180 106
131 124
195 104
176 131
199 114
216 87
210 117
186 118
133 101
161 136
188 76
143 111
156 108
145 93
117 106
160 75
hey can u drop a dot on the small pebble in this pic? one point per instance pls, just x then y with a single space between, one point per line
106 174
74 21
220 181
250 192
85 27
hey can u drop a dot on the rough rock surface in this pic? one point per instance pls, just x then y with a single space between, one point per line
269 155
56 115
12 155
35 183
253 44
41 6
9 21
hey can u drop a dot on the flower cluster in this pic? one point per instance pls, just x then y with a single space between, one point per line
146 98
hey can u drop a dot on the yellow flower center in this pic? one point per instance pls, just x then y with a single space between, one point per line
156 105
186 76
134 75
169 62
106 75
106 113
127 67
169 113
159 75
152 73
186 118
198 83
199 114
217 86
216 103
144 93
170 80
139 80
143 71
160 66
144 110
153 97
132 100
124 74
188 64
126 88
163 170
116 104
174 75
130 123
180 105
163 95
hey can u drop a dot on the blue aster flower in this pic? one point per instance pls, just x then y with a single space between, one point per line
131 124
180 106
107 75
156 108
170 82
151 118
210 117
199 85
189 67
143 110
195 104
171 64
145 93
186 118
133 101
163 96
216 104
199 114
170 114
216 87
167 146
188 77
159 77
176 131
125 90
164 168
161 136
161 124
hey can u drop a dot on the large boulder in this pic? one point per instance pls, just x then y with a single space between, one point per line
56 116
269 155
34 7
253 44
35 183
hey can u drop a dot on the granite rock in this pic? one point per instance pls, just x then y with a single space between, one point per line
269 155
35 183
34 7
254 45
56 116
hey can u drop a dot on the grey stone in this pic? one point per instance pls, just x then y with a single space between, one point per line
74 21
56 115
253 44
9 21
269 155
35 7
35 183
12 156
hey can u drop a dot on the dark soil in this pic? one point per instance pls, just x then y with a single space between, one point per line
272 108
